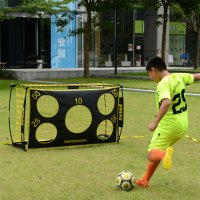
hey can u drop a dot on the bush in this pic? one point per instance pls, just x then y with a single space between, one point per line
6 74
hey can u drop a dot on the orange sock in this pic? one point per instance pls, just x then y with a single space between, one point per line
151 167
154 157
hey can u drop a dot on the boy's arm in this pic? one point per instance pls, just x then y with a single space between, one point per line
196 76
163 109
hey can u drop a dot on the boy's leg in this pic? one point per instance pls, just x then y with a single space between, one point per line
154 157
158 155
163 139
151 167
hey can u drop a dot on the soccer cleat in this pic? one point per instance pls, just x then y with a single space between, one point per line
167 160
142 183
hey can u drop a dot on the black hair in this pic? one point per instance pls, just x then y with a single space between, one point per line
157 63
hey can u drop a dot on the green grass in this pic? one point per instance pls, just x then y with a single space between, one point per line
88 172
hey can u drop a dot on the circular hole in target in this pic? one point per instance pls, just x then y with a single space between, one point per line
46 133
47 106
106 103
78 119
105 129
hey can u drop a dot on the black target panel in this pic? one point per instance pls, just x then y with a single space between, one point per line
74 117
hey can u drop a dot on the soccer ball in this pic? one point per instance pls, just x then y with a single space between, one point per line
125 180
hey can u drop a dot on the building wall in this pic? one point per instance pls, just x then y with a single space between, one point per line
21 39
11 40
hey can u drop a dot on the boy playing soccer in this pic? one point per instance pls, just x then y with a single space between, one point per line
171 121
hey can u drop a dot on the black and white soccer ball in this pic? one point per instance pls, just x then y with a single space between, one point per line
125 180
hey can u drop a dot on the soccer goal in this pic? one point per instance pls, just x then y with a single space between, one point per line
50 115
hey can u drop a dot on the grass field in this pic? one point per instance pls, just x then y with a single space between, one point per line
88 172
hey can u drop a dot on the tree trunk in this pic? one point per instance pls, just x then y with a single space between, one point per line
86 44
196 62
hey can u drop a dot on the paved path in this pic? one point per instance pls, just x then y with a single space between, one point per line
39 74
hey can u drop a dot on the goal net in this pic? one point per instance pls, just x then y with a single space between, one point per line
48 115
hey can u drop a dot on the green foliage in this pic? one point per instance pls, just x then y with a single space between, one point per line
154 4
116 5
189 6
5 13
62 19
6 74
190 10
41 8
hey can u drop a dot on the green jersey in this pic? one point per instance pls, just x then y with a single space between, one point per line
174 124
173 87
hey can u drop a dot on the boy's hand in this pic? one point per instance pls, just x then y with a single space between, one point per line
152 126
165 104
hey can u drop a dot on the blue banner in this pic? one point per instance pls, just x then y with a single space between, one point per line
63 45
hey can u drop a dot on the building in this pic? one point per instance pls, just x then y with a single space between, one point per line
28 42
24 40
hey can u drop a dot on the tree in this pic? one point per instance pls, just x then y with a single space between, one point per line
42 8
90 5
165 4
92 10
37 8
97 6
190 10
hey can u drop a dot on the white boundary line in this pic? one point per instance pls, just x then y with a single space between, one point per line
153 91
139 90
